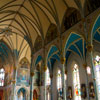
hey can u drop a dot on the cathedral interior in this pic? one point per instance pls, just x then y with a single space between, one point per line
49 49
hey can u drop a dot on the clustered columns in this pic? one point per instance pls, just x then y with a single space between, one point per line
63 59
51 86
44 69
31 85
87 86
31 78
90 53
14 83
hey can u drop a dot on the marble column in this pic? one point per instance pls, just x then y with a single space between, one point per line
14 83
87 83
31 85
90 52
63 78
51 86
45 68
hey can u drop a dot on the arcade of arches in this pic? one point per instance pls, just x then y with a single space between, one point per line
49 49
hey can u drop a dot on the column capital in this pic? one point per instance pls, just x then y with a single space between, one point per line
15 67
44 68
51 76
85 65
83 20
32 74
66 72
90 47
63 59
14 81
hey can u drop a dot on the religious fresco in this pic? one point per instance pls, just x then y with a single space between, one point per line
23 75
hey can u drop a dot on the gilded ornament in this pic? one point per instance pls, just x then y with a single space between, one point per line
66 72
63 60
32 74
45 68
51 76
83 20
13 81
85 66
90 48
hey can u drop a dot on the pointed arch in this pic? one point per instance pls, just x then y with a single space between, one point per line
52 56
76 44
38 44
71 17
95 33
38 59
51 33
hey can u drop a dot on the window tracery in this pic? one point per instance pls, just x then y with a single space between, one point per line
76 83
97 73
2 75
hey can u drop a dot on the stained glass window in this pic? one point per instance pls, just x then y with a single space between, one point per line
59 81
2 75
97 73
59 85
88 70
48 81
76 83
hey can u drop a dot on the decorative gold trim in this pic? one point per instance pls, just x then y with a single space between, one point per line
66 72
51 76
63 59
83 20
90 48
14 81
45 68
32 74
85 66
15 68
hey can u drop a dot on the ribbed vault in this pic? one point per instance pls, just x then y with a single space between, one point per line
32 18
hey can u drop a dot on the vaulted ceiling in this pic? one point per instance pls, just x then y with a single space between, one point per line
32 18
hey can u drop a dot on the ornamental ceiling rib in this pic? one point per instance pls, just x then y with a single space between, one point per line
32 18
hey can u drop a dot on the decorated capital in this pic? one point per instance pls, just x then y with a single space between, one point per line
85 65
63 59
90 48
32 74
51 76
45 68
66 72
14 81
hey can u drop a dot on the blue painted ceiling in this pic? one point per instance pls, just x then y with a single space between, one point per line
53 55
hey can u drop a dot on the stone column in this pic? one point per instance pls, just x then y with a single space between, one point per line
63 78
51 86
87 83
31 85
45 68
90 52
14 83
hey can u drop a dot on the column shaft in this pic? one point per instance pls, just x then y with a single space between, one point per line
93 75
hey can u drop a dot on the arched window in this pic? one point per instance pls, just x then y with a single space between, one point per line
22 94
59 80
59 85
48 81
76 83
97 73
2 75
